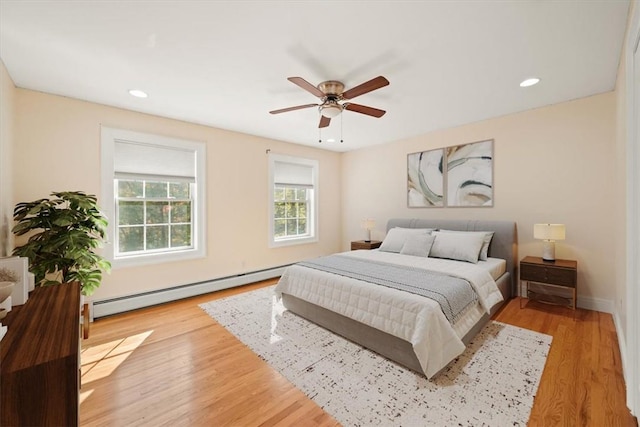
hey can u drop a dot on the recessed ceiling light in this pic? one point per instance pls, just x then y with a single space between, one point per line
331 140
530 82
138 93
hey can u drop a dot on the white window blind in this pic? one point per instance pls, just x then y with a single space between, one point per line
293 175
136 160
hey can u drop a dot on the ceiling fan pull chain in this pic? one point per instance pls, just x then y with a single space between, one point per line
341 119
320 135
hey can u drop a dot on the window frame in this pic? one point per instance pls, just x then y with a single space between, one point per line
312 202
109 137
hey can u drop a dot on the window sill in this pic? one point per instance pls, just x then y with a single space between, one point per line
158 258
292 241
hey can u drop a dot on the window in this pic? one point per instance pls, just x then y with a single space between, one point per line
290 216
293 195
152 216
156 186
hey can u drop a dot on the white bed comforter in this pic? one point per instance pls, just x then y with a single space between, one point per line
413 318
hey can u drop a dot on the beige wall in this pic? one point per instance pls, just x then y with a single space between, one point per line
58 146
552 164
7 117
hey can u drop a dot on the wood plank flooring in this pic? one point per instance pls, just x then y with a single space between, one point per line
582 383
173 365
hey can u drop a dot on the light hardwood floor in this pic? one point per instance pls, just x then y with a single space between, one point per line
173 365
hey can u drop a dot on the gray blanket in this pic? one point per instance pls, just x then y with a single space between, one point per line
453 294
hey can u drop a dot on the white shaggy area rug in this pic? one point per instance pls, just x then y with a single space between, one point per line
492 383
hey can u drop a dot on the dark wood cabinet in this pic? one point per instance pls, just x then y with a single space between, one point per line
363 244
40 359
560 273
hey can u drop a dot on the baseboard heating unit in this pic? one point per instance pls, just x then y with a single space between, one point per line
108 307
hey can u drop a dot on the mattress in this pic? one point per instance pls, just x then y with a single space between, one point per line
410 317
495 266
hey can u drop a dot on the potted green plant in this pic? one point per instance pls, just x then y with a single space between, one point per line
68 228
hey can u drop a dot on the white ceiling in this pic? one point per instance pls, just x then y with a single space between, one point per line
225 63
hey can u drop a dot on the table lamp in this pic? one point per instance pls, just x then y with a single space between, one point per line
549 233
368 224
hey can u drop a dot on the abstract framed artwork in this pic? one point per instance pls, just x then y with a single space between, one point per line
425 179
469 174
457 176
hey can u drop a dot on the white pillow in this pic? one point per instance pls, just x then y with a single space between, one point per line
458 246
397 236
488 235
418 245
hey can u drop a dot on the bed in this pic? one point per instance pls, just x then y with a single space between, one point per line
412 330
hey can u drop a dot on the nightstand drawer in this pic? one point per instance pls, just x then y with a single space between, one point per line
548 274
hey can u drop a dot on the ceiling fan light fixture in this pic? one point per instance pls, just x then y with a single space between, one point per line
330 110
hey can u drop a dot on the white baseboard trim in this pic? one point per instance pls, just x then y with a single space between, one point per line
622 343
596 304
112 306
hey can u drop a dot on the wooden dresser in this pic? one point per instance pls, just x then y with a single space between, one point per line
39 359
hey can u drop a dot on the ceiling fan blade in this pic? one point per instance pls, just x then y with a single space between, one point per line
365 87
363 109
324 121
297 107
307 86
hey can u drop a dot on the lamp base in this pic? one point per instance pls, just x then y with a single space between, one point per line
549 250
368 239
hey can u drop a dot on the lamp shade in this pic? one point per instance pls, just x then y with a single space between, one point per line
549 231
368 224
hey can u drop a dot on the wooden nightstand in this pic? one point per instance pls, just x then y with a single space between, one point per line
561 273
362 244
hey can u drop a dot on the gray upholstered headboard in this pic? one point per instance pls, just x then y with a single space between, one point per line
503 245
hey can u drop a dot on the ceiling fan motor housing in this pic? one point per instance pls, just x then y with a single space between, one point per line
331 87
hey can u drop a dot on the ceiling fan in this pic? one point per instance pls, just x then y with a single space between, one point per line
332 93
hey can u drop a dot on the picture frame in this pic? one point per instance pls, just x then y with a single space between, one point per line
20 266
426 179
455 176
469 174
